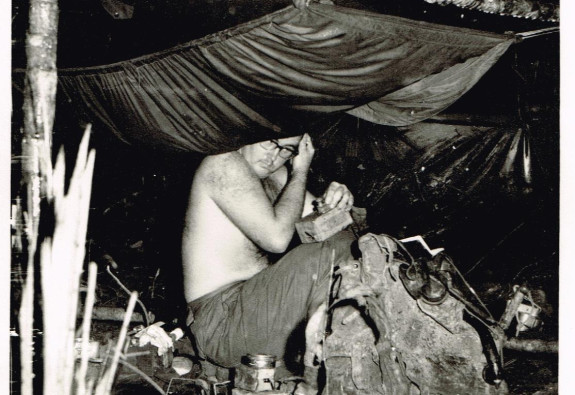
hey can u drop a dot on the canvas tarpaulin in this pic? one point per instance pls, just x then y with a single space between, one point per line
272 76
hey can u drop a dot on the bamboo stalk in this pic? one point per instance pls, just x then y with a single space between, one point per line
62 258
90 386
105 385
81 384
144 310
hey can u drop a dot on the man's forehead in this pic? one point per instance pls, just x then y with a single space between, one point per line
289 140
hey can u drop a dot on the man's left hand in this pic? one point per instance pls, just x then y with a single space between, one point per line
336 195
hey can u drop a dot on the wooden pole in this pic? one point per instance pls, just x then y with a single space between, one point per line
39 108
532 345
115 314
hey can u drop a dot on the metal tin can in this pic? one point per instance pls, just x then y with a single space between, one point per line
260 361
256 373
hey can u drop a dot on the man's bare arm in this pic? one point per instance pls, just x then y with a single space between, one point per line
238 192
277 182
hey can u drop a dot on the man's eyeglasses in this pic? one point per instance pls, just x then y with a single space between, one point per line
286 152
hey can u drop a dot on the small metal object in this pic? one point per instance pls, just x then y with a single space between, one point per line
260 361
528 317
256 373
512 306
523 308
222 388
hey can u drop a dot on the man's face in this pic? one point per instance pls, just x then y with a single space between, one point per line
267 161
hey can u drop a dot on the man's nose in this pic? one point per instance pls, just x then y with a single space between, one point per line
273 153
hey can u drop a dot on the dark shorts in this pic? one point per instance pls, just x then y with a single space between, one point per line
263 314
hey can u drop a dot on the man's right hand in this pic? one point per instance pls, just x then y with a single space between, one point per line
302 161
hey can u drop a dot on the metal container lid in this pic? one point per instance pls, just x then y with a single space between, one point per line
260 361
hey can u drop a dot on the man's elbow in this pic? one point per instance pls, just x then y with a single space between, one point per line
277 245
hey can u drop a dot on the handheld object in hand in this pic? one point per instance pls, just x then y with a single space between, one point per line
317 227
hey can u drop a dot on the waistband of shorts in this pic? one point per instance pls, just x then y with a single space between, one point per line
224 292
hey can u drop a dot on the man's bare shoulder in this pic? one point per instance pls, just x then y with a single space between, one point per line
225 171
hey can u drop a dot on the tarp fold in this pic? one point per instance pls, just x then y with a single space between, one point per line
272 76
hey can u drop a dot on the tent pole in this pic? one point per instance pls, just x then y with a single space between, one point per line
535 33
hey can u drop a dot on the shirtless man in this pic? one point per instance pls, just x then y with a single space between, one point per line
244 205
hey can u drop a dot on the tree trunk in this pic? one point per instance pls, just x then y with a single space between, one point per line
39 108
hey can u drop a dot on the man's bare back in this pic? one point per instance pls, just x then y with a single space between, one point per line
215 251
